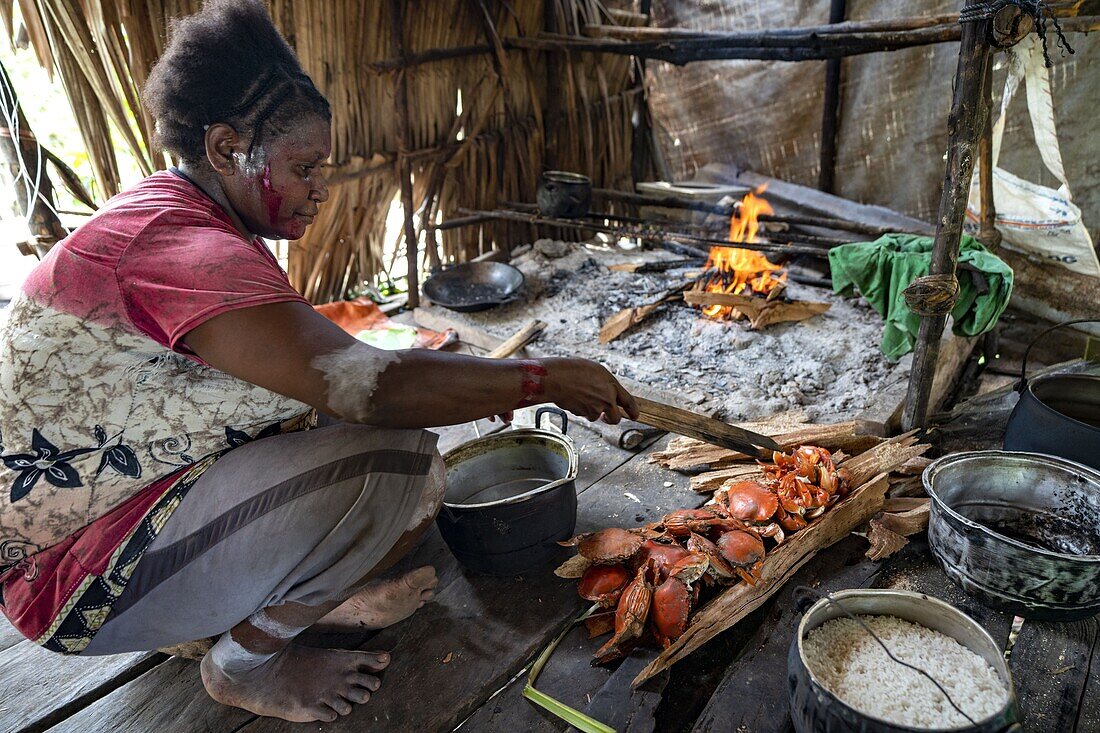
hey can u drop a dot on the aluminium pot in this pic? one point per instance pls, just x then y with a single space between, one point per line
564 195
1019 531
1057 414
814 709
511 497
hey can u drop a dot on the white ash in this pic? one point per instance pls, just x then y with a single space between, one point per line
829 365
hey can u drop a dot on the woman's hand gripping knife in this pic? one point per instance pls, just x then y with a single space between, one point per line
291 349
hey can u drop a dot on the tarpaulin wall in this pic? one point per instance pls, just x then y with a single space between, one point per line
766 115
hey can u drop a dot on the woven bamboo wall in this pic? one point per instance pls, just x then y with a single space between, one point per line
493 151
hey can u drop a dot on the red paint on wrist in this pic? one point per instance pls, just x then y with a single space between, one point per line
532 387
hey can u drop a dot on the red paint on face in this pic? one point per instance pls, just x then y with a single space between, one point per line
280 197
272 199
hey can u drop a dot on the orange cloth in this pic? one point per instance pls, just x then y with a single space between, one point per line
363 314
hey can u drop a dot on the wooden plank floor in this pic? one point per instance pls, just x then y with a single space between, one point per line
457 660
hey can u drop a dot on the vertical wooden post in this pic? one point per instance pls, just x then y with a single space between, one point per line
404 145
26 164
830 114
551 104
964 126
987 234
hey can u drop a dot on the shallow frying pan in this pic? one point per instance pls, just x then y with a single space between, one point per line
474 286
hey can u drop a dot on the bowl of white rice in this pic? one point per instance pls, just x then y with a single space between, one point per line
842 679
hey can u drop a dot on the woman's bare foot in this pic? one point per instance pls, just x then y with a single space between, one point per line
300 684
382 602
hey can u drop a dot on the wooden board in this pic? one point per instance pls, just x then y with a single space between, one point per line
169 699
737 702
9 637
569 675
41 687
489 628
764 666
1051 664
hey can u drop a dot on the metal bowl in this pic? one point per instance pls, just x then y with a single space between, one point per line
1020 531
511 496
816 710
474 286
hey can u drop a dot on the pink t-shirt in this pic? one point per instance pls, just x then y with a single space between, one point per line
106 417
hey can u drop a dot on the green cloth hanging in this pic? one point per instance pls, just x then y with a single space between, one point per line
882 269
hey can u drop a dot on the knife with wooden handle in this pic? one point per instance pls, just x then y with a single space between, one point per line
706 429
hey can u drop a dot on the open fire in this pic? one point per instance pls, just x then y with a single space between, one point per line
735 270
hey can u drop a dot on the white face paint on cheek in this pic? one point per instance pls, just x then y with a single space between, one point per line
251 165
352 376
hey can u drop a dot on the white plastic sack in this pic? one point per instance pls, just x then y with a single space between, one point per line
1033 218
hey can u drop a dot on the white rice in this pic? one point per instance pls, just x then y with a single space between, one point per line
851 665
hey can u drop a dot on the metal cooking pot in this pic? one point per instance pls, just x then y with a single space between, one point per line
564 195
474 286
1058 414
816 710
1020 531
511 496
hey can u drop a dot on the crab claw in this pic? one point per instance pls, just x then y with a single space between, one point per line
663 556
690 568
632 612
717 566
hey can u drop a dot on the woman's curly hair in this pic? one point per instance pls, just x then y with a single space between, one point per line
228 63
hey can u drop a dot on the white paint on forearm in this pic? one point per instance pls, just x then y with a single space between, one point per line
352 375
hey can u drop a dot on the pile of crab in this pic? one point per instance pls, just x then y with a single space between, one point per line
654 575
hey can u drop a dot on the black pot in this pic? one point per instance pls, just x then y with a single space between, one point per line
564 195
1058 414
511 497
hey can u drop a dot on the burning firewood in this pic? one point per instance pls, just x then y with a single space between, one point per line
741 283
760 312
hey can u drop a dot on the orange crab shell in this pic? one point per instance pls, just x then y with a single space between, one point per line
689 568
603 584
663 557
609 546
671 609
750 501
743 549
717 565
632 611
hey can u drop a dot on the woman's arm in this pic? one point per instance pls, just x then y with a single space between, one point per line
291 349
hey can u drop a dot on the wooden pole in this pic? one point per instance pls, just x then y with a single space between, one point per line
26 163
551 104
921 31
964 126
404 145
830 112
987 234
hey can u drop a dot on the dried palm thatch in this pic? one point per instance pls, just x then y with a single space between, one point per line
481 127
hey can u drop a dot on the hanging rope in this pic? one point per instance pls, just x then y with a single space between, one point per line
932 295
1038 10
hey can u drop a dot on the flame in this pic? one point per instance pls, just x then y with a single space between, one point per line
739 269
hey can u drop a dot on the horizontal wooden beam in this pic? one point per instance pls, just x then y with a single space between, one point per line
681 45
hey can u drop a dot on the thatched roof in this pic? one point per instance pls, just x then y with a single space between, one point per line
515 107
